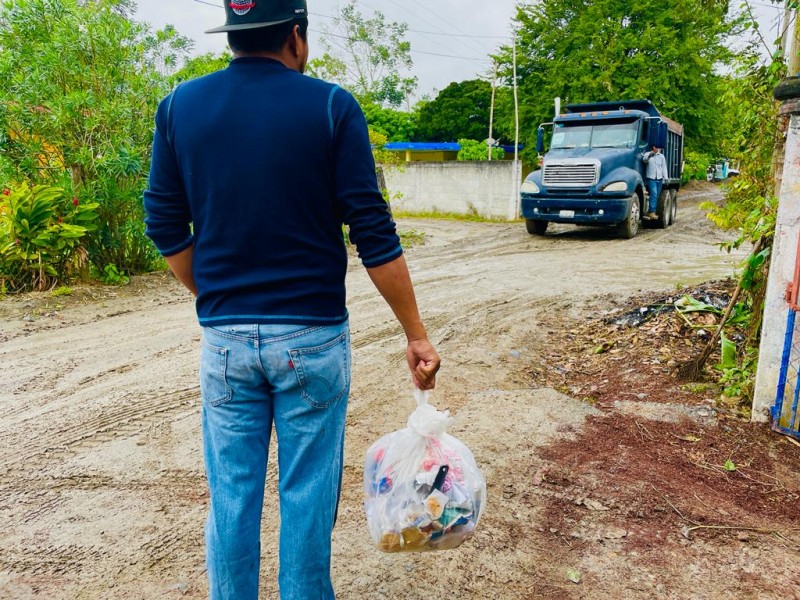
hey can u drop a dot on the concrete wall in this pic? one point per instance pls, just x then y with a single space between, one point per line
781 273
489 189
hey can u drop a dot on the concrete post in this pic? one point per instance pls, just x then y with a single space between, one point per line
514 208
784 256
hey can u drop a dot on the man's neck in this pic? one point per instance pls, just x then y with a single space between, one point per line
279 56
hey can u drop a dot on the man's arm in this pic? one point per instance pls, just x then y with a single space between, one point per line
394 283
181 265
665 167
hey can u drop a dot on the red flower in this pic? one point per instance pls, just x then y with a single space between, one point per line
59 219
6 192
75 201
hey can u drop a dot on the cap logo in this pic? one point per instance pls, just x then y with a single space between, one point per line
241 7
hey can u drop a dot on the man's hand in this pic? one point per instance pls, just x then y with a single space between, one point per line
424 362
181 265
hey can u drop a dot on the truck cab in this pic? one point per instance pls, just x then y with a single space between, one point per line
593 172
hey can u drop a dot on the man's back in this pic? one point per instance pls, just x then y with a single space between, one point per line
270 163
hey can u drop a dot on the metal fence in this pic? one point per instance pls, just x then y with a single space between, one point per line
784 412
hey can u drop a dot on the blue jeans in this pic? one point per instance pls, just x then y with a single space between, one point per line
297 377
654 191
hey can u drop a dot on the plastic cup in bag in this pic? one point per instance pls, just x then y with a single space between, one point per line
423 490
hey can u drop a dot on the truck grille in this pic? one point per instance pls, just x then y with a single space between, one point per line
571 174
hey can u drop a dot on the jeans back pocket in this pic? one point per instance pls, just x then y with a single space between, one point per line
214 386
323 372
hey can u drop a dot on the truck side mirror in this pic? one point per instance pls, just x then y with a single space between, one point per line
658 135
540 140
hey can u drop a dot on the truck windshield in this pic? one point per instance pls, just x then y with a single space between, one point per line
598 135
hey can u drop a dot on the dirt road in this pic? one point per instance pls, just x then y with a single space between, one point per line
102 493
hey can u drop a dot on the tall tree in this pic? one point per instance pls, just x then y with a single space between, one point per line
461 111
370 57
591 50
204 64
79 83
394 125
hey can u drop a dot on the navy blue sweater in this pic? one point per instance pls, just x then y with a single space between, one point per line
259 166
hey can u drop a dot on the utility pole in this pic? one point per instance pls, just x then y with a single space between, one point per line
793 66
516 104
516 170
490 141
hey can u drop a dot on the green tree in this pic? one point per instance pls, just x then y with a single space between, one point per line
79 83
395 125
204 64
592 50
462 110
370 57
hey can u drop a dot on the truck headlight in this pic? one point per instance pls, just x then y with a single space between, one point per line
528 187
616 186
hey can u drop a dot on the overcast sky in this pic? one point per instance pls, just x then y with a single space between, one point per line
442 27
450 39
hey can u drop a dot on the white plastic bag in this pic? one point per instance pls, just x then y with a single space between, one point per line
423 489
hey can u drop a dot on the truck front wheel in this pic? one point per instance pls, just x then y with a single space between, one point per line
535 226
630 226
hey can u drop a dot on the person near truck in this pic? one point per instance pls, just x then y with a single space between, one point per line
656 176
255 169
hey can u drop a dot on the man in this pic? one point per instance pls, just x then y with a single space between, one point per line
255 169
656 176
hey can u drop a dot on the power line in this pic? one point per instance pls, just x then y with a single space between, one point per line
349 39
424 20
413 30
467 35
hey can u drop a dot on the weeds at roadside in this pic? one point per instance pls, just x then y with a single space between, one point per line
472 216
63 290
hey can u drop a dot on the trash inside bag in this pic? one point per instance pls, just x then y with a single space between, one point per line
423 489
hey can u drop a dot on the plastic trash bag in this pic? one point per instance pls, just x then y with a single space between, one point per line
423 490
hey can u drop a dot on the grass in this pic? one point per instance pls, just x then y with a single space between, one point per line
411 237
446 216
61 291
698 388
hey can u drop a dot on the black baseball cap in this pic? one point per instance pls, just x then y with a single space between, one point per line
251 14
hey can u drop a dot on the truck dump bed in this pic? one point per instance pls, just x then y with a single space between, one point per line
673 145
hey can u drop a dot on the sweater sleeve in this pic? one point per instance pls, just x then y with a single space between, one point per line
168 216
362 206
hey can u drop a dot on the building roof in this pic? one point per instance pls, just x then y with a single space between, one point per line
424 146
435 146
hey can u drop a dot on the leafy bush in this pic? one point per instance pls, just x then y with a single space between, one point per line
112 276
63 290
473 150
695 165
80 116
41 234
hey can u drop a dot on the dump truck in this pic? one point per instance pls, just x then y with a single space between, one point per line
593 172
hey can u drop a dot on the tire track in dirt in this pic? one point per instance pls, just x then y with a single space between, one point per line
51 561
111 424
72 466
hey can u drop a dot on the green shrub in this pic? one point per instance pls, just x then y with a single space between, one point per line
41 237
472 150
113 276
64 290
